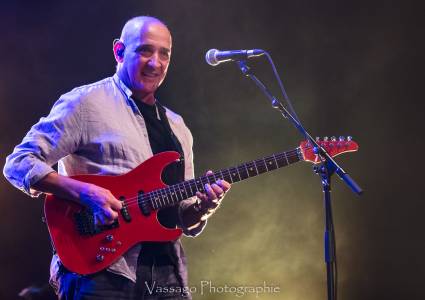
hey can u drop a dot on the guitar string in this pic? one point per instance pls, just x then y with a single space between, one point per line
171 190
192 182
150 196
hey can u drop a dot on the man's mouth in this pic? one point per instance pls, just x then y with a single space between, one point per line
150 75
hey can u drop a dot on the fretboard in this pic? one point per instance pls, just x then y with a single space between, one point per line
173 194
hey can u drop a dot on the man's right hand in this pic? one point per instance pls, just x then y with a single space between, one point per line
104 205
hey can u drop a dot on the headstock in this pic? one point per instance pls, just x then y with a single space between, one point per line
333 146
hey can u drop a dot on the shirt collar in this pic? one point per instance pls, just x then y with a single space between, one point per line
121 85
127 92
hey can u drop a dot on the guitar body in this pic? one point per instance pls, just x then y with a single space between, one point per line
90 253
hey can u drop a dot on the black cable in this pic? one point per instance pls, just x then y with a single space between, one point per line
293 113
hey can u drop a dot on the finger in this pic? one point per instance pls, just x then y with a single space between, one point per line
223 184
209 172
115 204
217 190
97 219
101 219
210 192
110 214
207 203
201 196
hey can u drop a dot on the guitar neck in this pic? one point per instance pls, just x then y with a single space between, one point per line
173 194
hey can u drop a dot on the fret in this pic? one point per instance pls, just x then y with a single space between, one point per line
158 197
199 185
281 160
168 199
193 186
151 198
204 180
211 178
173 195
187 189
155 199
261 166
239 174
178 193
243 171
189 184
234 174
255 165
293 158
265 163
182 191
271 163
163 198
286 157
251 170
275 160
227 177
163 194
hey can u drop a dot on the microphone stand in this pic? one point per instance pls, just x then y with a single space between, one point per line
325 170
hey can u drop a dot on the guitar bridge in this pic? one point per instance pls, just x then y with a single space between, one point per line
85 223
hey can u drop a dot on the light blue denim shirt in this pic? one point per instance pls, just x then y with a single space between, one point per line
95 129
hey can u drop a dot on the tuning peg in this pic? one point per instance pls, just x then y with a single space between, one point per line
333 139
349 138
341 138
325 139
317 138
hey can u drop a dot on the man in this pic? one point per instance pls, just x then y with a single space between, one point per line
110 127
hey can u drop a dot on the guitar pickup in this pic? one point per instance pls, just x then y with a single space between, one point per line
124 210
143 204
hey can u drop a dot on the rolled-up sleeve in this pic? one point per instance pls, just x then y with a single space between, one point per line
51 139
195 231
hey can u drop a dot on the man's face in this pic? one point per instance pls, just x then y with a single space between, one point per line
146 59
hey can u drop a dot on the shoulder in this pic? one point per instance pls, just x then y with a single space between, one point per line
95 87
178 125
90 96
92 90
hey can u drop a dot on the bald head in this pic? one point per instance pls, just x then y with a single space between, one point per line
134 27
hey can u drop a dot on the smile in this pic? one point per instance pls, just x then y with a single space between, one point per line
150 75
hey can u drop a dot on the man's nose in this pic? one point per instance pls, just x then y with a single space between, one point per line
154 61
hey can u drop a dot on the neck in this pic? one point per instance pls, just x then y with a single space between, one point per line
148 99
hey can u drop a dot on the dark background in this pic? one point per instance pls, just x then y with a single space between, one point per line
350 67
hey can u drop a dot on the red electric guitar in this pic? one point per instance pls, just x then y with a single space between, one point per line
85 247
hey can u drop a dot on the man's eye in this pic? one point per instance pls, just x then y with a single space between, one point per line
164 55
145 51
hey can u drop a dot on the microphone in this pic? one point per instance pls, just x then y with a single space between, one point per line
215 57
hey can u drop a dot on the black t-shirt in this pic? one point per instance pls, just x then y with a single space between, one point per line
161 138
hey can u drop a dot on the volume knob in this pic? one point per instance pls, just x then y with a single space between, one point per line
100 257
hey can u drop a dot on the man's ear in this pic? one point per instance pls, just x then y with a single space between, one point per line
118 48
